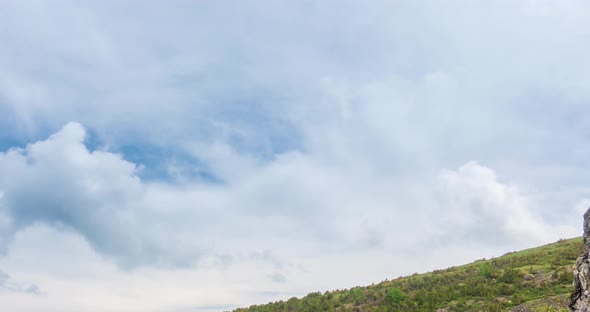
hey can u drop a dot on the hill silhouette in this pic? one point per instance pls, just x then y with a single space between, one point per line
537 280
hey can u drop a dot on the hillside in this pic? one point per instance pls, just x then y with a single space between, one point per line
537 279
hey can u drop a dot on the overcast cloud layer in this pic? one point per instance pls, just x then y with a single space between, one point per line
208 155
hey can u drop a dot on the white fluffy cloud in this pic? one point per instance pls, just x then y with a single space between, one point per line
284 222
490 211
97 194
60 182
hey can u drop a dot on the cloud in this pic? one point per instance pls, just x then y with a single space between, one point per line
59 182
493 212
278 277
245 83
97 194
10 285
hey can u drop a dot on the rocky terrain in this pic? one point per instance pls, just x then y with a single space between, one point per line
580 299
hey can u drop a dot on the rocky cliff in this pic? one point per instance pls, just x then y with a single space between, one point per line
580 299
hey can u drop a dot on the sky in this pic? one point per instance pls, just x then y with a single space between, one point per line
196 156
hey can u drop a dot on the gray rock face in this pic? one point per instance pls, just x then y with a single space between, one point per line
580 299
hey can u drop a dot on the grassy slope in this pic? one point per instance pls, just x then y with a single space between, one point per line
536 279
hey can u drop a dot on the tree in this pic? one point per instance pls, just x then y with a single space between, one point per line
395 296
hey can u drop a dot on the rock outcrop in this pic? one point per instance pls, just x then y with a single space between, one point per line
580 299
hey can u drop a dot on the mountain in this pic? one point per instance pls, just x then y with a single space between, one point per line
536 280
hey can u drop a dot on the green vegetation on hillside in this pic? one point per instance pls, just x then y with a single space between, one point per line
536 279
